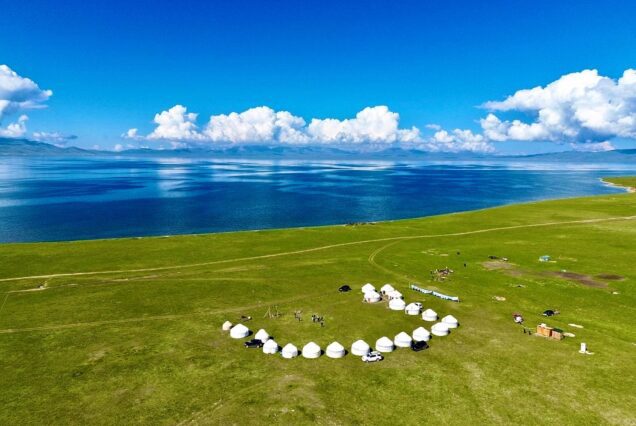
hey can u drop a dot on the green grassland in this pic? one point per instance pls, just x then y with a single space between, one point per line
128 331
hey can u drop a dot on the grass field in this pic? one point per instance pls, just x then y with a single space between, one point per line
128 331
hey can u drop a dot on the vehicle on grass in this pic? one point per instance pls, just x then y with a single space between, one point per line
374 356
344 289
254 343
418 346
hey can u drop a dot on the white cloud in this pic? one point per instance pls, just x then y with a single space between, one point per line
19 93
592 147
175 124
15 130
55 138
459 140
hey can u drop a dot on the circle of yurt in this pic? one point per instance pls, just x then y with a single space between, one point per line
397 305
367 288
450 321
384 344
429 315
335 350
289 351
386 288
412 309
402 340
270 347
311 350
421 334
372 297
440 329
360 348
226 326
239 331
262 335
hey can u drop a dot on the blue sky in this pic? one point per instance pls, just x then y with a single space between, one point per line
113 65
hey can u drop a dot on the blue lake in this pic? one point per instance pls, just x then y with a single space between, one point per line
69 199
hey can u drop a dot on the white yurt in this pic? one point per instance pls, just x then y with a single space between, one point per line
386 288
311 350
289 351
270 347
429 315
372 297
360 347
402 340
421 334
226 326
397 305
440 329
367 288
262 335
239 331
412 309
384 344
394 294
450 321
335 350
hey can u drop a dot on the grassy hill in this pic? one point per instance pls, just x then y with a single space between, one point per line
129 330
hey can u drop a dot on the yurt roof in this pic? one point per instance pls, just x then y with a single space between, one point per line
240 328
360 344
270 344
412 306
430 312
387 287
449 319
368 287
384 341
311 347
290 348
422 331
335 347
403 337
261 334
440 326
397 302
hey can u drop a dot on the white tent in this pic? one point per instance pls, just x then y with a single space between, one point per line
289 351
270 347
386 288
450 321
440 329
384 344
372 297
412 309
226 326
239 331
397 305
367 288
360 347
335 350
394 294
262 335
421 334
402 340
429 315
311 350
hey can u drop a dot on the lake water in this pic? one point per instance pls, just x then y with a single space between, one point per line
69 199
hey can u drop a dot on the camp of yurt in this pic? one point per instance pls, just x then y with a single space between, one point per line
412 309
429 315
384 344
421 334
289 351
360 347
450 321
386 288
335 350
262 335
367 288
372 297
226 326
402 340
311 351
397 305
440 329
239 331
270 347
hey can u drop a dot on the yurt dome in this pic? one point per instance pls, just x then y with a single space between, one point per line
270 347
311 350
262 335
450 321
440 329
429 315
289 351
226 326
384 344
239 331
360 348
402 340
386 288
372 297
394 294
367 288
421 334
412 309
335 350
397 305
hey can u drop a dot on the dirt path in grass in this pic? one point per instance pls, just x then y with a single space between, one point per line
321 248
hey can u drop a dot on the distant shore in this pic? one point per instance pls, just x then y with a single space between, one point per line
627 183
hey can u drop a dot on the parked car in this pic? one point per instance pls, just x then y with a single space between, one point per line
418 346
344 289
374 356
254 343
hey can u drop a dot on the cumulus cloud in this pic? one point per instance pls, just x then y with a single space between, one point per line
56 138
19 93
459 140
16 129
